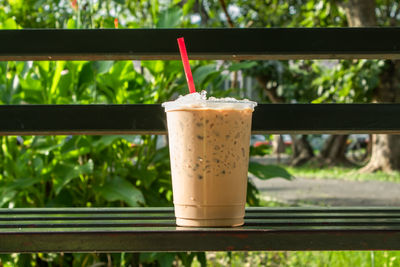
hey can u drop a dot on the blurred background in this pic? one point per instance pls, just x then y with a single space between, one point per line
120 171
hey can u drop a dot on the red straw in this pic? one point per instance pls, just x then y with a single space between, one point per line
186 66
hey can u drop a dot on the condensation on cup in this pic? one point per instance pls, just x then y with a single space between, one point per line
209 148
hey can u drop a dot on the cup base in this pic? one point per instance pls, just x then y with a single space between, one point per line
234 222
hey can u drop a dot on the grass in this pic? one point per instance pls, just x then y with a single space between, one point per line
342 173
305 258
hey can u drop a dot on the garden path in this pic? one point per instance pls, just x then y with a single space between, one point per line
328 192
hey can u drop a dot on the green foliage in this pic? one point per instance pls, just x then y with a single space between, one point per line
170 18
346 82
260 150
265 172
119 189
164 259
283 13
308 258
291 80
67 171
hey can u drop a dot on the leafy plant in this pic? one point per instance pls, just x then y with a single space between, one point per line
347 81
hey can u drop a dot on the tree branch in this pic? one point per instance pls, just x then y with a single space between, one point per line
271 92
394 18
202 11
228 17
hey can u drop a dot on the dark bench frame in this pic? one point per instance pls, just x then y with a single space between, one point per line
154 229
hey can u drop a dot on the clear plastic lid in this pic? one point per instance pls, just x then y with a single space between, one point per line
200 101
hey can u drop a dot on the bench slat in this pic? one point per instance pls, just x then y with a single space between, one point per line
153 229
171 222
227 44
169 210
250 216
150 119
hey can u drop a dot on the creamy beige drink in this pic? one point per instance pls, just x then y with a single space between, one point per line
209 150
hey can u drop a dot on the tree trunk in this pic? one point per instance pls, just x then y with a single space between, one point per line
369 149
302 150
334 151
385 153
278 146
360 13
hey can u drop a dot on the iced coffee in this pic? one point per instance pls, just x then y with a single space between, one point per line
209 149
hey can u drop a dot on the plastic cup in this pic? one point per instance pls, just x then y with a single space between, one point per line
209 151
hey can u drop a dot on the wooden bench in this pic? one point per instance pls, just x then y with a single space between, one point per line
154 229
